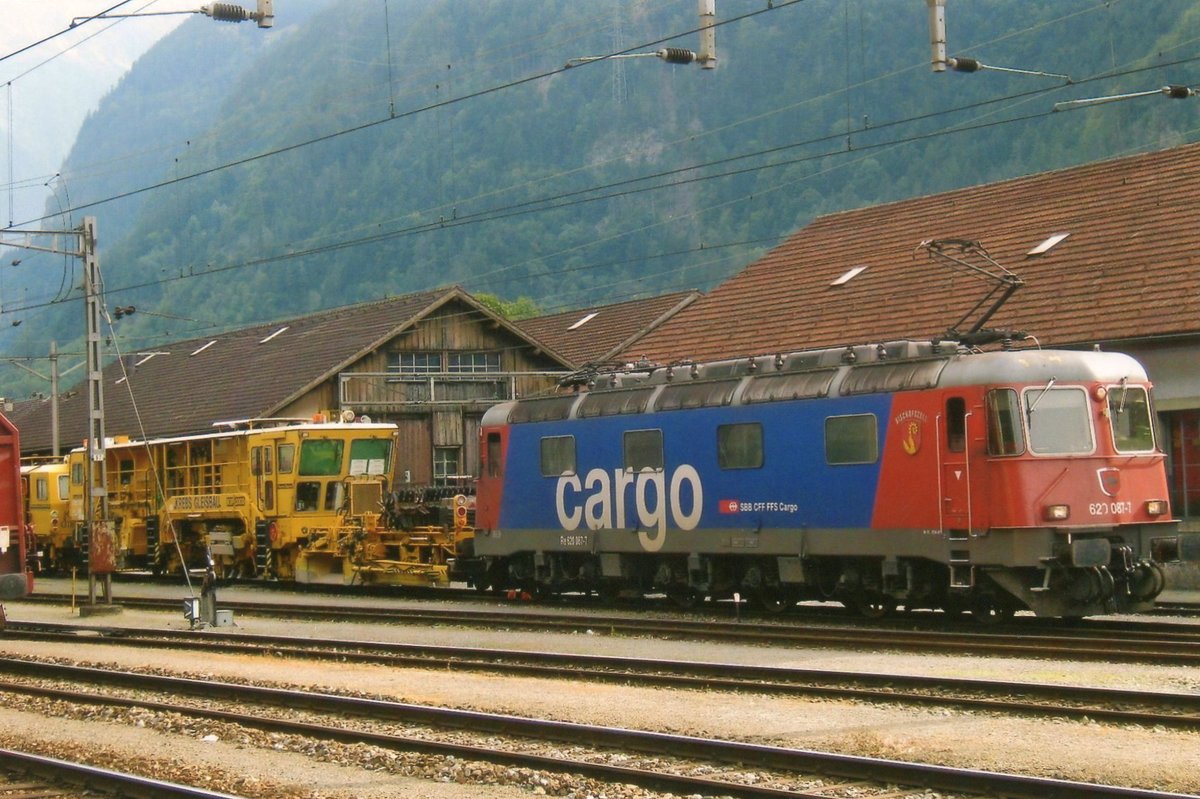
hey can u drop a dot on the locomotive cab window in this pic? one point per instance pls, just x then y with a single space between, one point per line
851 439
558 455
1130 417
1059 421
643 450
1005 435
494 464
740 446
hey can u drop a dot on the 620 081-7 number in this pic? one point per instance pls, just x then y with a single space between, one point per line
1108 508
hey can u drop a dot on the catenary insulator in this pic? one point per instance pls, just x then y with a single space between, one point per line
676 55
960 64
1177 92
225 12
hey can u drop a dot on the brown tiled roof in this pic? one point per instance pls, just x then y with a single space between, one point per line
609 329
1127 270
241 375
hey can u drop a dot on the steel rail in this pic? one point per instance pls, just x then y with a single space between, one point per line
891 772
1160 647
80 774
733 677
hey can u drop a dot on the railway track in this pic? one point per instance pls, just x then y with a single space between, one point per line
1142 643
1080 703
668 762
24 776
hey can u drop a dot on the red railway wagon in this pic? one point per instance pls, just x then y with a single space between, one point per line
15 578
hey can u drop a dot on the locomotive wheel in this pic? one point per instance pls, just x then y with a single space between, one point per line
774 600
609 592
985 609
686 598
874 605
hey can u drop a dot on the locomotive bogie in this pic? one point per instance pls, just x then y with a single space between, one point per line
987 482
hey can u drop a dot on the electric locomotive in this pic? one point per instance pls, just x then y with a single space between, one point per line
914 474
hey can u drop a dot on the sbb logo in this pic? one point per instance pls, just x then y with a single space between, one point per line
600 500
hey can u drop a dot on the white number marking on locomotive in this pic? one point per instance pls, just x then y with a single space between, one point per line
1109 508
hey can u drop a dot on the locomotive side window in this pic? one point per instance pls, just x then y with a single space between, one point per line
851 439
1129 415
1059 423
43 488
956 424
64 486
740 446
643 450
1004 431
558 456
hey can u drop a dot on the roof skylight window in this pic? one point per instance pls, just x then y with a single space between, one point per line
1045 246
273 335
849 275
584 321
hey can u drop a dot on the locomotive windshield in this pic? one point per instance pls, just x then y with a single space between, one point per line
1129 414
1058 421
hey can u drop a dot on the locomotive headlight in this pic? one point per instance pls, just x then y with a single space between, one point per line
1156 507
1100 392
1057 513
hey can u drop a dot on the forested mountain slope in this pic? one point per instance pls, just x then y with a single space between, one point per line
372 147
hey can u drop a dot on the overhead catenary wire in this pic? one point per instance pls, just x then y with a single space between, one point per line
493 215
525 208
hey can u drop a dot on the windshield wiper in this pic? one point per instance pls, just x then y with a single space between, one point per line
1033 404
1124 391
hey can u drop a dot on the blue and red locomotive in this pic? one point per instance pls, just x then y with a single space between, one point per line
911 474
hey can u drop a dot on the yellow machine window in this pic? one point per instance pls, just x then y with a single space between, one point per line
370 455
321 458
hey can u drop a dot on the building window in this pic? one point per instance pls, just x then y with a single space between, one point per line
445 464
472 362
1183 461
415 363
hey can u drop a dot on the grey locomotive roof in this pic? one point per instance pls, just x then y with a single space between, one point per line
842 371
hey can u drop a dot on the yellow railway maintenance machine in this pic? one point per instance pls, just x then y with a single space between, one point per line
294 500
47 489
